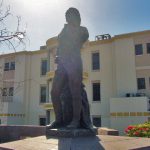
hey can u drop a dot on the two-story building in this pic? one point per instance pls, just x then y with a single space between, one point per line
116 74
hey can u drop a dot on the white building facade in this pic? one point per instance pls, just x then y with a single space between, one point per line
116 77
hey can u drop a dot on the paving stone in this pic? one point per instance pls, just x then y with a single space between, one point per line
102 142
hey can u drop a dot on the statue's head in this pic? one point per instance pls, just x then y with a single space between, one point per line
73 16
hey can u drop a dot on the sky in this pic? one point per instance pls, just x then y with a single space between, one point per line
43 19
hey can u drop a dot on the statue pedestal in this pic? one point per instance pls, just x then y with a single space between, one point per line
70 133
77 139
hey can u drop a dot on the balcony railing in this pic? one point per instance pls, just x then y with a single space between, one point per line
47 106
50 75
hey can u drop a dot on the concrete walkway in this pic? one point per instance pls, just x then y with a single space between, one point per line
90 143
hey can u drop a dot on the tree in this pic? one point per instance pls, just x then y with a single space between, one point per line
8 37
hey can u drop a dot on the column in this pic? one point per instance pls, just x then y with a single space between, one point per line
47 93
47 117
48 69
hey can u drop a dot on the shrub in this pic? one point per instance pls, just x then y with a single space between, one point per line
141 130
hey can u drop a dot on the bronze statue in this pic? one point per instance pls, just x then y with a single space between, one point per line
69 98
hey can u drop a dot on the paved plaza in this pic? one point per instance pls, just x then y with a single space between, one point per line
90 143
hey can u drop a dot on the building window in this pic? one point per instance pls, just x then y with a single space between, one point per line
8 91
97 121
138 49
95 61
12 65
43 67
43 94
6 66
11 91
141 83
96 91
9 66
148 48
4 92
42 121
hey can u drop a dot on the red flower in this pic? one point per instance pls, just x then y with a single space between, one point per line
126 130
130 127
141 129
137 133
145 129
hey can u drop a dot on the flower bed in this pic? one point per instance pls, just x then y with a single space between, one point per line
141 130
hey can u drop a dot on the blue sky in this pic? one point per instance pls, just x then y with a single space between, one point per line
45 18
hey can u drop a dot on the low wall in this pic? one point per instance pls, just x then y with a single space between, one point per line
107 131
16 132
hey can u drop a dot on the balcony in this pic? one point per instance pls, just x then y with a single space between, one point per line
47 106
129 106
50 75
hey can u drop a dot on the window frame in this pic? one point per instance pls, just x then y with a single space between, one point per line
10 65
136 54
93 52
138 86
40 118
97 81
6 91
97 116
9 94
43 85
43 59
148 48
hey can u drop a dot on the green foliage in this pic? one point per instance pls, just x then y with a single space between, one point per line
141 130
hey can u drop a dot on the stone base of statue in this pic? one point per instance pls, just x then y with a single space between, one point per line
75 139
71 133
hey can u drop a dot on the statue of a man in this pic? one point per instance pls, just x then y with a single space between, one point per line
69 69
